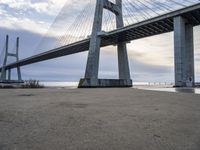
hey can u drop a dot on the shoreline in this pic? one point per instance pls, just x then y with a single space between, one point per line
152 87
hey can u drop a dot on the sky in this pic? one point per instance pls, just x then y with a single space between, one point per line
151 59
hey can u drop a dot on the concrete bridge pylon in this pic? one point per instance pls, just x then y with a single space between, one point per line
91 74
6 73
183 52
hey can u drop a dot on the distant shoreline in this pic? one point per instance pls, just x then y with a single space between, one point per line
74 85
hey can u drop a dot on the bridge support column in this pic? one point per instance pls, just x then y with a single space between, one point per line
183 53
9 74
92 68
17 59
124 72
6 73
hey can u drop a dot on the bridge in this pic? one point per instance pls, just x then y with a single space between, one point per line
180 21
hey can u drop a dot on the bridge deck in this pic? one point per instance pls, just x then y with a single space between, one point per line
154 26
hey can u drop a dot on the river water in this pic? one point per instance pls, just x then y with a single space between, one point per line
166 87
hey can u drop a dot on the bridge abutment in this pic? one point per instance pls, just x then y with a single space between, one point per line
183 53
92 68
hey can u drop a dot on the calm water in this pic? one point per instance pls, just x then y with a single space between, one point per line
60 84
180 90
138 85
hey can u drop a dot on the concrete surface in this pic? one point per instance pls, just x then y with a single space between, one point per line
92 67
98 119
183 52
114 83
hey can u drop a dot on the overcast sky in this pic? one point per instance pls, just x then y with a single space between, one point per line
151 59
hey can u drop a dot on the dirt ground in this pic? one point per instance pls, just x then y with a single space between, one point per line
98 119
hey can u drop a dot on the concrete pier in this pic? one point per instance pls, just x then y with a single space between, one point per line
87 83
4 71
92 68
123 65
183 52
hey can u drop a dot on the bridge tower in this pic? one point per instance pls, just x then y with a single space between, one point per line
6 73
183 52
92 68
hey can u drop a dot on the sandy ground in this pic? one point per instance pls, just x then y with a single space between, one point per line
98 119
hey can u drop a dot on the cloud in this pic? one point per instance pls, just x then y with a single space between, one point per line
36 16
50 7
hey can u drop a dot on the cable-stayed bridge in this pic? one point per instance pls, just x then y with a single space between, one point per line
131 20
